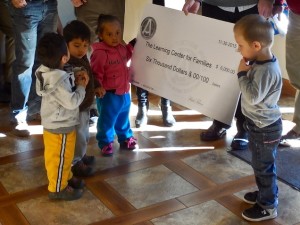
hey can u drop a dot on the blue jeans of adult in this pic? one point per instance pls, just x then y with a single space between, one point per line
113 118
6 28
30 24
263 143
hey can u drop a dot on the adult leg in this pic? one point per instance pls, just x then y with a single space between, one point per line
25 41
143 106
293 69
166 110
6 27
218 129
48 23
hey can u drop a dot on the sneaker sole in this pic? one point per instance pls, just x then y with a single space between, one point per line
259 219
249 202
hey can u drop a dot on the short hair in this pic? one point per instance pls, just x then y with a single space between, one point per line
102 19
254 27
77 29
50 50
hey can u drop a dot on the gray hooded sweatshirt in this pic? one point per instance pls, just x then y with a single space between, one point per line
60 99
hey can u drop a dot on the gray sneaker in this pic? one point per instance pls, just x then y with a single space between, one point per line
68 194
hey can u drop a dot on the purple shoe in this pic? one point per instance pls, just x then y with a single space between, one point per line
129 144
107 150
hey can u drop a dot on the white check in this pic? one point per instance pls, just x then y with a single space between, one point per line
191 60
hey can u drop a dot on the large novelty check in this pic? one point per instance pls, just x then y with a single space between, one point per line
191 60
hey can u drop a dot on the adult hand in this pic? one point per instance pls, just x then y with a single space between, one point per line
19 3
78 3
191 6
277 10
265 8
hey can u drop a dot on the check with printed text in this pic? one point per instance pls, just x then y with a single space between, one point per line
191 60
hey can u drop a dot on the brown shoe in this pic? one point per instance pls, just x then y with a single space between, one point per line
68 194
82 170
76 183
88 160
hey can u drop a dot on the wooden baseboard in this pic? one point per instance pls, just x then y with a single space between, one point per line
287 89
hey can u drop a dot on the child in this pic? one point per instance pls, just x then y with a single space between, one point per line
59 113
260 85
108 62
77 36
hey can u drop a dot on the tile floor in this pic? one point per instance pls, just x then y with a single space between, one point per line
173 178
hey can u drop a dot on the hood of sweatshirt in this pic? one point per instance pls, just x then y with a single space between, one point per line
48 79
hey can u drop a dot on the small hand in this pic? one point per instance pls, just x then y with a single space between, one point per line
81 78
244 65
100 92
78 3
19 3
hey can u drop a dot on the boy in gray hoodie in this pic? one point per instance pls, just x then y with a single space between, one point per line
61 96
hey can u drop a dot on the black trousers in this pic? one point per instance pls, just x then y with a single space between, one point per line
159 2
217 13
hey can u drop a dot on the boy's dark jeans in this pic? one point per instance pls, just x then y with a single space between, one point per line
263 143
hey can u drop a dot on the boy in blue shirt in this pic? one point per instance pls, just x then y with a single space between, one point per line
260 84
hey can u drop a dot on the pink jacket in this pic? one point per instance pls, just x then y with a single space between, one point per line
294 5
109 66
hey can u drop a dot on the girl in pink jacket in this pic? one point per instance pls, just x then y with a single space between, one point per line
109 65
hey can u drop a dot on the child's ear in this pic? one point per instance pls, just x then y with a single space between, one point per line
256 45
64 59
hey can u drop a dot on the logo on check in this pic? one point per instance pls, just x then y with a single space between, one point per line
148 28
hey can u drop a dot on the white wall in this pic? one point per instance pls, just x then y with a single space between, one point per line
279 51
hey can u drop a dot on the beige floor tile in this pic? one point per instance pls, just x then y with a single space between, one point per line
207 213
149 186
219 166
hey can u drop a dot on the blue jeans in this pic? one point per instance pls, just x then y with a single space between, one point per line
113 118
30 24
263 143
